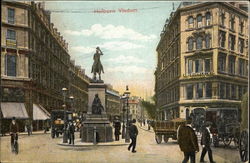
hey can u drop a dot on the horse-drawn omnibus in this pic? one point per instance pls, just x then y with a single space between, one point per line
224 123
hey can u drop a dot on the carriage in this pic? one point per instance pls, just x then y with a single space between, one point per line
167 129
225 126
243 143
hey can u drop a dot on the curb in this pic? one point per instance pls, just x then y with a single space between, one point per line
89 145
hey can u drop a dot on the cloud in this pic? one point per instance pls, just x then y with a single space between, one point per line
111 46
111 32
126 59
128 69
83 49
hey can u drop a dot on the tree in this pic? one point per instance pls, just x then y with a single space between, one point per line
150 107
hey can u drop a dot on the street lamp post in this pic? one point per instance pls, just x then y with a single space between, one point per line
127 93
123 117
65 139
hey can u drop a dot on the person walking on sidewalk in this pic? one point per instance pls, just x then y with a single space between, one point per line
71 131
14 129
133 132
187 141
206 141
117 126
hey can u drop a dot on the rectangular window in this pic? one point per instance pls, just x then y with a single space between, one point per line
241 45
231 42
190 66
222 38
228 91
207 65
11 15
199 90
189 91
233 91
241 67
231 64
240 91
222 62
222 90
208 90
10 63
198 65
11 34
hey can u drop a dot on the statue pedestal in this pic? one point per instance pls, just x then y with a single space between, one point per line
98 123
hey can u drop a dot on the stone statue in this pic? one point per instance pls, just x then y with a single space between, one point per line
97 65
97 107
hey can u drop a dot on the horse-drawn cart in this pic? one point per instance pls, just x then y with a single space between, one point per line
167 129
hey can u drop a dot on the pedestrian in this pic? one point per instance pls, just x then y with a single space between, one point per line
144 122
13 132
46 126
28 127
148 122
71 131
206 141
117 125
187 141
133 132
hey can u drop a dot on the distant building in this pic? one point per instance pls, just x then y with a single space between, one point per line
202 58
78 88
112 102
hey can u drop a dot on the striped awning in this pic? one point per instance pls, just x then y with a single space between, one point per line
14 109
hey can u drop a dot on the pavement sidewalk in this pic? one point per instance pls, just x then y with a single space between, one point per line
78 143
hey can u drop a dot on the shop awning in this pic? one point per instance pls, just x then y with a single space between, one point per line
14 109
40 113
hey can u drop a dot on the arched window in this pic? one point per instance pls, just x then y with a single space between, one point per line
208 18
208 41
199 43
190 22
190 43
199 20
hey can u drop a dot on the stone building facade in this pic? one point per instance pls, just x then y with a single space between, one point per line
78 88
113 102
35 63
202 58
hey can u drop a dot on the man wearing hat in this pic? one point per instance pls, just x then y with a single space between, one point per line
187 141
206 141
97 65
13 131
133 132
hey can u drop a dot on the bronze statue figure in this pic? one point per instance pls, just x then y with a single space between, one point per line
97 65
97 107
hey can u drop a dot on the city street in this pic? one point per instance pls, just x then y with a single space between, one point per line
41 148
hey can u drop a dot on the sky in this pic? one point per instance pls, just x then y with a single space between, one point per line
128 40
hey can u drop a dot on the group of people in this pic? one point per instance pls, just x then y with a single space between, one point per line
188 142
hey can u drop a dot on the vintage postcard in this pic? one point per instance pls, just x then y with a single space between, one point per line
124 81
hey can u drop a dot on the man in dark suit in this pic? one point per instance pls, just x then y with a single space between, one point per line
187 141
133 132
206 142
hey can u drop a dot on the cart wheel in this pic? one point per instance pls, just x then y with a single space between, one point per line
166 138
215 141
227 141
158 139
243 146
